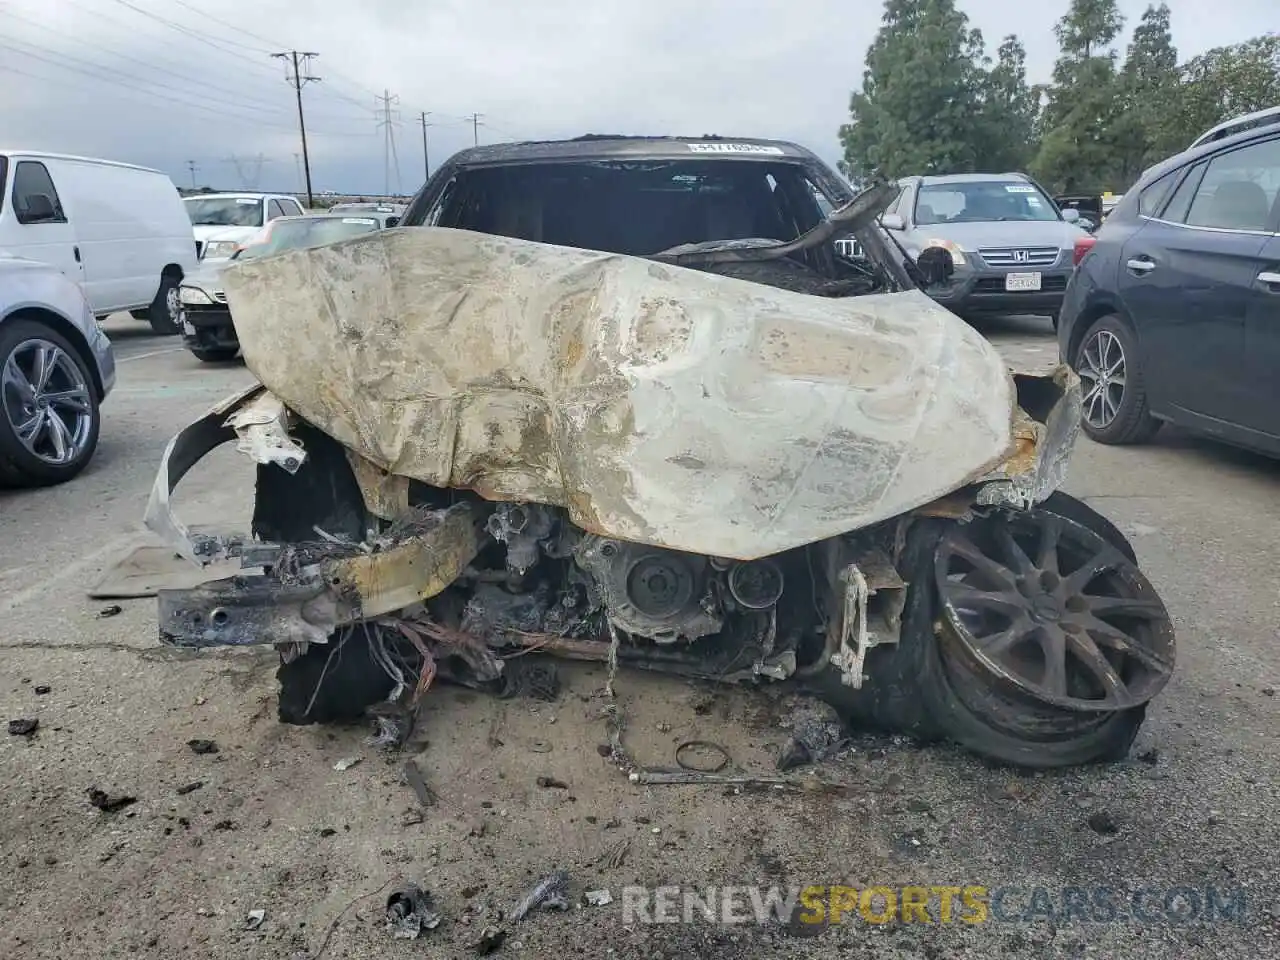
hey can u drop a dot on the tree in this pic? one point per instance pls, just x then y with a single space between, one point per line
920 102
1149 90
1008 111
1222 83
1080 126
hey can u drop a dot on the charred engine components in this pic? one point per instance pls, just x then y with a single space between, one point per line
522 527
660 594
757 585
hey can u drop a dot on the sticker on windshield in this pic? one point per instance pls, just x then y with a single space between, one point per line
358 220
1019 188
247 201
734 148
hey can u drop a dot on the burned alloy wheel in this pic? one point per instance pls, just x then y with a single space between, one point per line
1048 606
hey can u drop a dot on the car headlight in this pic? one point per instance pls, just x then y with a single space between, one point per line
956 251
193 295
216 249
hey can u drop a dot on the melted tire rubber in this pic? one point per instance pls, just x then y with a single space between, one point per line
916 687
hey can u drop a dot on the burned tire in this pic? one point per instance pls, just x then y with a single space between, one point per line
1115 410
968 703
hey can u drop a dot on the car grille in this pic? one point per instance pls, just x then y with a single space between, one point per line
848 247
1020 256
220 297
996 285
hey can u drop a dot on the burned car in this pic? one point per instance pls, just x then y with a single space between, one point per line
621 399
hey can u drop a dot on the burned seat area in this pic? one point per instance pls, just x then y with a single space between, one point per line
643 208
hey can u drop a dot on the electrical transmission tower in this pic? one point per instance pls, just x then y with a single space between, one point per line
298 75
248 169
192 166
390 120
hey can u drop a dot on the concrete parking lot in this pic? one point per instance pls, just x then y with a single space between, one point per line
1188 823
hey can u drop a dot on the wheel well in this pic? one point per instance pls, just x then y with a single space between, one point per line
1086 320
65 327
172 270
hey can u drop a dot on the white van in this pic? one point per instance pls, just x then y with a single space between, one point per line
120 231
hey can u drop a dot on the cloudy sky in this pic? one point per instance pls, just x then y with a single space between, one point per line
165 82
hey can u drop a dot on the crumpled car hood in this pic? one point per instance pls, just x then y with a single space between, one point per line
655 403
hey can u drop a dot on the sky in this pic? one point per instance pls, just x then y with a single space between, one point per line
172 83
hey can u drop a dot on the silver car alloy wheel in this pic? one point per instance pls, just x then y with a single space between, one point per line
1102 372
46 400
173 304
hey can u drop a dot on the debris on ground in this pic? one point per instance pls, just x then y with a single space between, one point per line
418 783
598 898
108 803
410 910
552 783
490 939
23 726
549 892
254 919
346 763
530 679
702 756
615 855
110 611
42 689
1150 757
202 747
656 778
816 732
1104 823
190 787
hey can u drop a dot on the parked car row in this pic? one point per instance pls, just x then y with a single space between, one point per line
207 328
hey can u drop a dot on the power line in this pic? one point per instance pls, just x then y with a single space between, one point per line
299 81
105 77
240 103
230 46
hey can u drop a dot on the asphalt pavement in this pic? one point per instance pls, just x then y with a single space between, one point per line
1191 817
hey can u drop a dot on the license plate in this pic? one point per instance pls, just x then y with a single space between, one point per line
1022 281
188 329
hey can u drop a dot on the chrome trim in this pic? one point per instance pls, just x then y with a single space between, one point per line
1188 226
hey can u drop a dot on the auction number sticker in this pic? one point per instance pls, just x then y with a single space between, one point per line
734 148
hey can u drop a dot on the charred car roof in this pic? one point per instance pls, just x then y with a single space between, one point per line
619 147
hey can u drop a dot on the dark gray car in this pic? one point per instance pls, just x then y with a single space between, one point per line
1175 312
1012 248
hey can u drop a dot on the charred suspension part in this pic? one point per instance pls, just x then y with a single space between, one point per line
316 587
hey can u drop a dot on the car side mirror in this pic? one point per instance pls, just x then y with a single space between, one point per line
893 221
1071 215
393 222
935 265
39 208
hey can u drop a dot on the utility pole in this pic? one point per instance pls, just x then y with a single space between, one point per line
426 162
475 127
191 165
388 124
299 78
